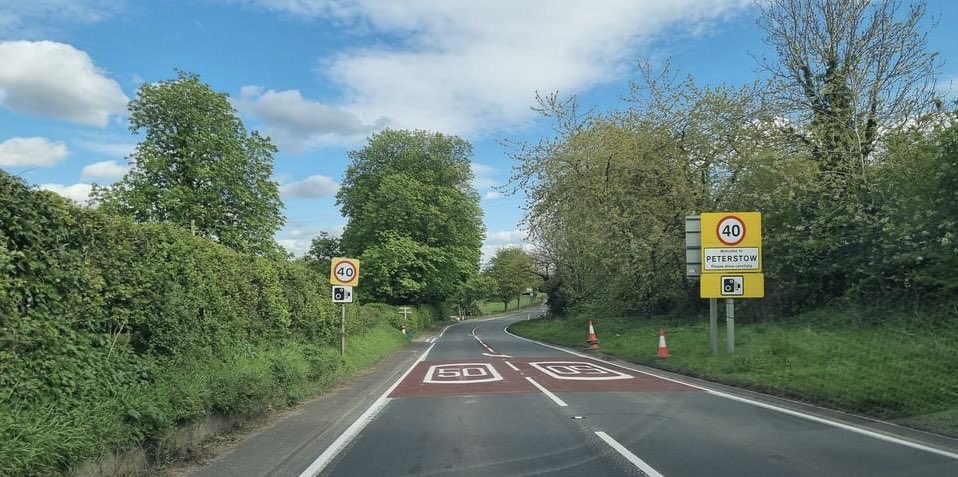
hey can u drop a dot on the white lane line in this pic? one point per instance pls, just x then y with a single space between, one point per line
493 355
772 407
357 426
473 333
634 459
548 393
511 365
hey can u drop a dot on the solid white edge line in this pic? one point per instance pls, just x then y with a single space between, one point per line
360 423
634 459
772 407
548 393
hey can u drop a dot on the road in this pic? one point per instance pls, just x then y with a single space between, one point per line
482 402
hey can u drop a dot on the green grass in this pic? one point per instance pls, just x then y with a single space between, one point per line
897 371
493 307
52 438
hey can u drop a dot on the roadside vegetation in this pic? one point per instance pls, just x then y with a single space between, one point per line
166 300
849 151
525 301
835 357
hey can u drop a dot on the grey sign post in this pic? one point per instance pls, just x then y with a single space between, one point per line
693 270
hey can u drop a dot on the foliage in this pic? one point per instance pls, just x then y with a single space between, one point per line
198 167
413 213
323 248
848 70
113 332
512 271
854 358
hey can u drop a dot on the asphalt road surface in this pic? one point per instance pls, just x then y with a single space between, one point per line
482 402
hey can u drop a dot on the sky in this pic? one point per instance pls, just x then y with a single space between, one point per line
320 76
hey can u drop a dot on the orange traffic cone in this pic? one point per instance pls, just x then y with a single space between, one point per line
593 339
663 349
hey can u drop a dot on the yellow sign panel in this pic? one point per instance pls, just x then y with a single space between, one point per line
732 285
344 271
731 242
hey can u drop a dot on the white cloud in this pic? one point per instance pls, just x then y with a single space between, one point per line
46 78
473 67
297 123
105 170
298 240
37 18
31 151
483 175
503 239
310 187
76 192
491 195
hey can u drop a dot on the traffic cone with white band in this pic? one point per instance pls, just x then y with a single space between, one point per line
593 339
663 349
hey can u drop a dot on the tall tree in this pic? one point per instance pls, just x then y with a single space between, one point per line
198 167
513 271
413 188
323 249
849 70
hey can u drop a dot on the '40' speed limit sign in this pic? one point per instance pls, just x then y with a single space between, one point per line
344 271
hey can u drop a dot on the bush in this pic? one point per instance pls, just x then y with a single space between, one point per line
112 333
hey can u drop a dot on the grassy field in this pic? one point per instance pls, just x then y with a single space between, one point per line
493 307
897 371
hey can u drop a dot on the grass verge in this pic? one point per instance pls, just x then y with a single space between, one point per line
899 370
493 307
54 438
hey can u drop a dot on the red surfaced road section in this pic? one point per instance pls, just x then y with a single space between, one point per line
465 377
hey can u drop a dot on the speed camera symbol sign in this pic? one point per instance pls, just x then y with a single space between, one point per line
730 230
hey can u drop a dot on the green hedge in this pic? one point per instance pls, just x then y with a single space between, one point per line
112 333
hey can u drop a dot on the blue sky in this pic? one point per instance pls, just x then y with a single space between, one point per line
319 75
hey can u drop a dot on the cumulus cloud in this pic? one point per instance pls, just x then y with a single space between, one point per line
31 151
491 195
300 237
296 122
310 187
503 239
483 175
110 170
38 18
50 79
76 192
473 67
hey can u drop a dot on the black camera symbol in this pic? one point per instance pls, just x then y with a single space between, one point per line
339 293
728 285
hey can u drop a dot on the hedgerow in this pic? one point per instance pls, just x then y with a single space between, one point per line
113 333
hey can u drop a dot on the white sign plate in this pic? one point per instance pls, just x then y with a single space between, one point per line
732 259
733 285
342 294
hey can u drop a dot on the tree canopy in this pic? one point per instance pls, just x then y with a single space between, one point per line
198 167
413 215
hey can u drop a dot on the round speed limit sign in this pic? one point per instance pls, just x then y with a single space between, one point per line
730 230
345 271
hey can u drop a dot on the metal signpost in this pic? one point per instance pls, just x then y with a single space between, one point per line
693 270
730 254
343 276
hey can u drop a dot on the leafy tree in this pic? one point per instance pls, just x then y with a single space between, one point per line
413 188
849 69
323 249
198 167
513 271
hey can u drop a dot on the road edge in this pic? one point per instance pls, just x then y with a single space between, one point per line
922 440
